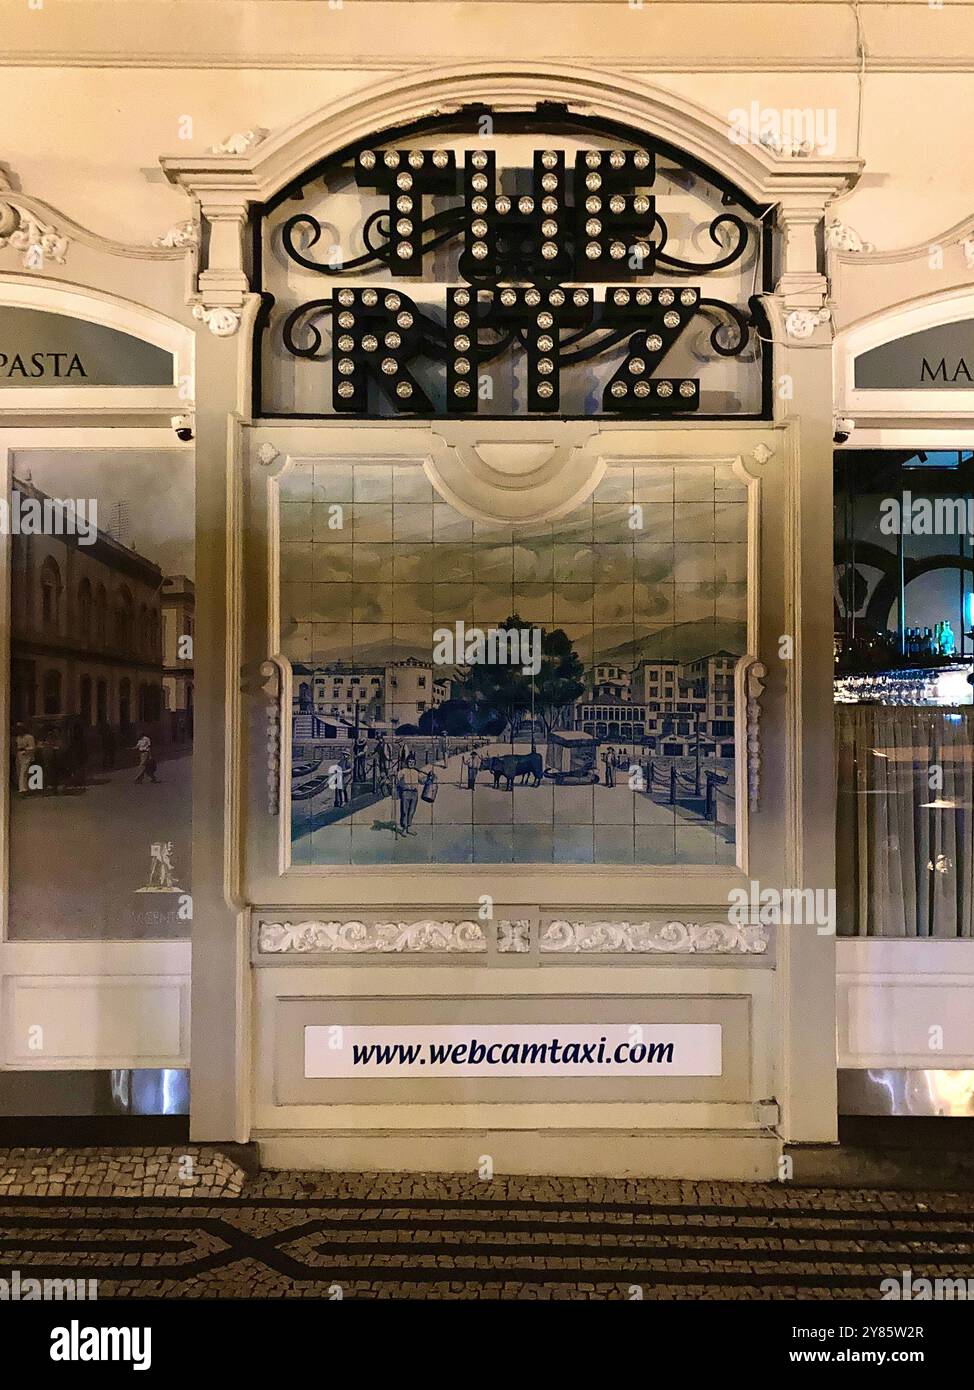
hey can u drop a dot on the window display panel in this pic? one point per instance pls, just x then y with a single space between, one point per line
904 643
556 692
101 660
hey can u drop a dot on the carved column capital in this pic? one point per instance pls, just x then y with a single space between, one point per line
802 323
801 283
221 320
223 279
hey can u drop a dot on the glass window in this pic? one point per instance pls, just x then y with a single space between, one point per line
904 653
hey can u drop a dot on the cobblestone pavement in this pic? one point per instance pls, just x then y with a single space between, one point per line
192 1225
455 1237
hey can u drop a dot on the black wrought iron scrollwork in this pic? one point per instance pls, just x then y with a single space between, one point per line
445 226
564 271
287 332
375 255
727 314
708 267
448 225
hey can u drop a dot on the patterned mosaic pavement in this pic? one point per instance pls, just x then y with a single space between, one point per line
454 1237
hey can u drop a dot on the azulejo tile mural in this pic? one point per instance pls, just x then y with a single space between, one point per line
470 692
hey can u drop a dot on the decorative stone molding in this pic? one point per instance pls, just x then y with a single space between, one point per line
840 237
967 246
267 454
786 148
23 231
761 453
44 233
514 936
517 85
802 323
183 236
240 142
220 320
752 680
668 938
464 936
358 938
484 471
271 685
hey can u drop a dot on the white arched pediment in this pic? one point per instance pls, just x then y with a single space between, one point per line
266 165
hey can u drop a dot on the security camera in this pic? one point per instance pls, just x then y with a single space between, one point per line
183 427
843 428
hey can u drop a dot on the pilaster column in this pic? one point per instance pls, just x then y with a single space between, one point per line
220 987
800 677
801 284
224 280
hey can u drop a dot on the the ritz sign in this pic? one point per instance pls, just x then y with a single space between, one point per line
530 262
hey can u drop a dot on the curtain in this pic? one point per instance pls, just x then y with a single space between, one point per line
904 866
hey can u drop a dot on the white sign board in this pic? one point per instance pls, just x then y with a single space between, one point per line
509 1050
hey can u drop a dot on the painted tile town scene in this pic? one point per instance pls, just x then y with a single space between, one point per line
469 692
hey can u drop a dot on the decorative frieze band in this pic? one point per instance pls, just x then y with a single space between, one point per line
514 936
358 938
669 938
466 936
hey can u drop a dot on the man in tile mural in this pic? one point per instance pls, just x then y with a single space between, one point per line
407 784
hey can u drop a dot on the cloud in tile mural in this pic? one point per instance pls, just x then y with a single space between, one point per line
474 692
102 696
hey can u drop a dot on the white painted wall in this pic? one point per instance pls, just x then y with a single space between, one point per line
115 78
